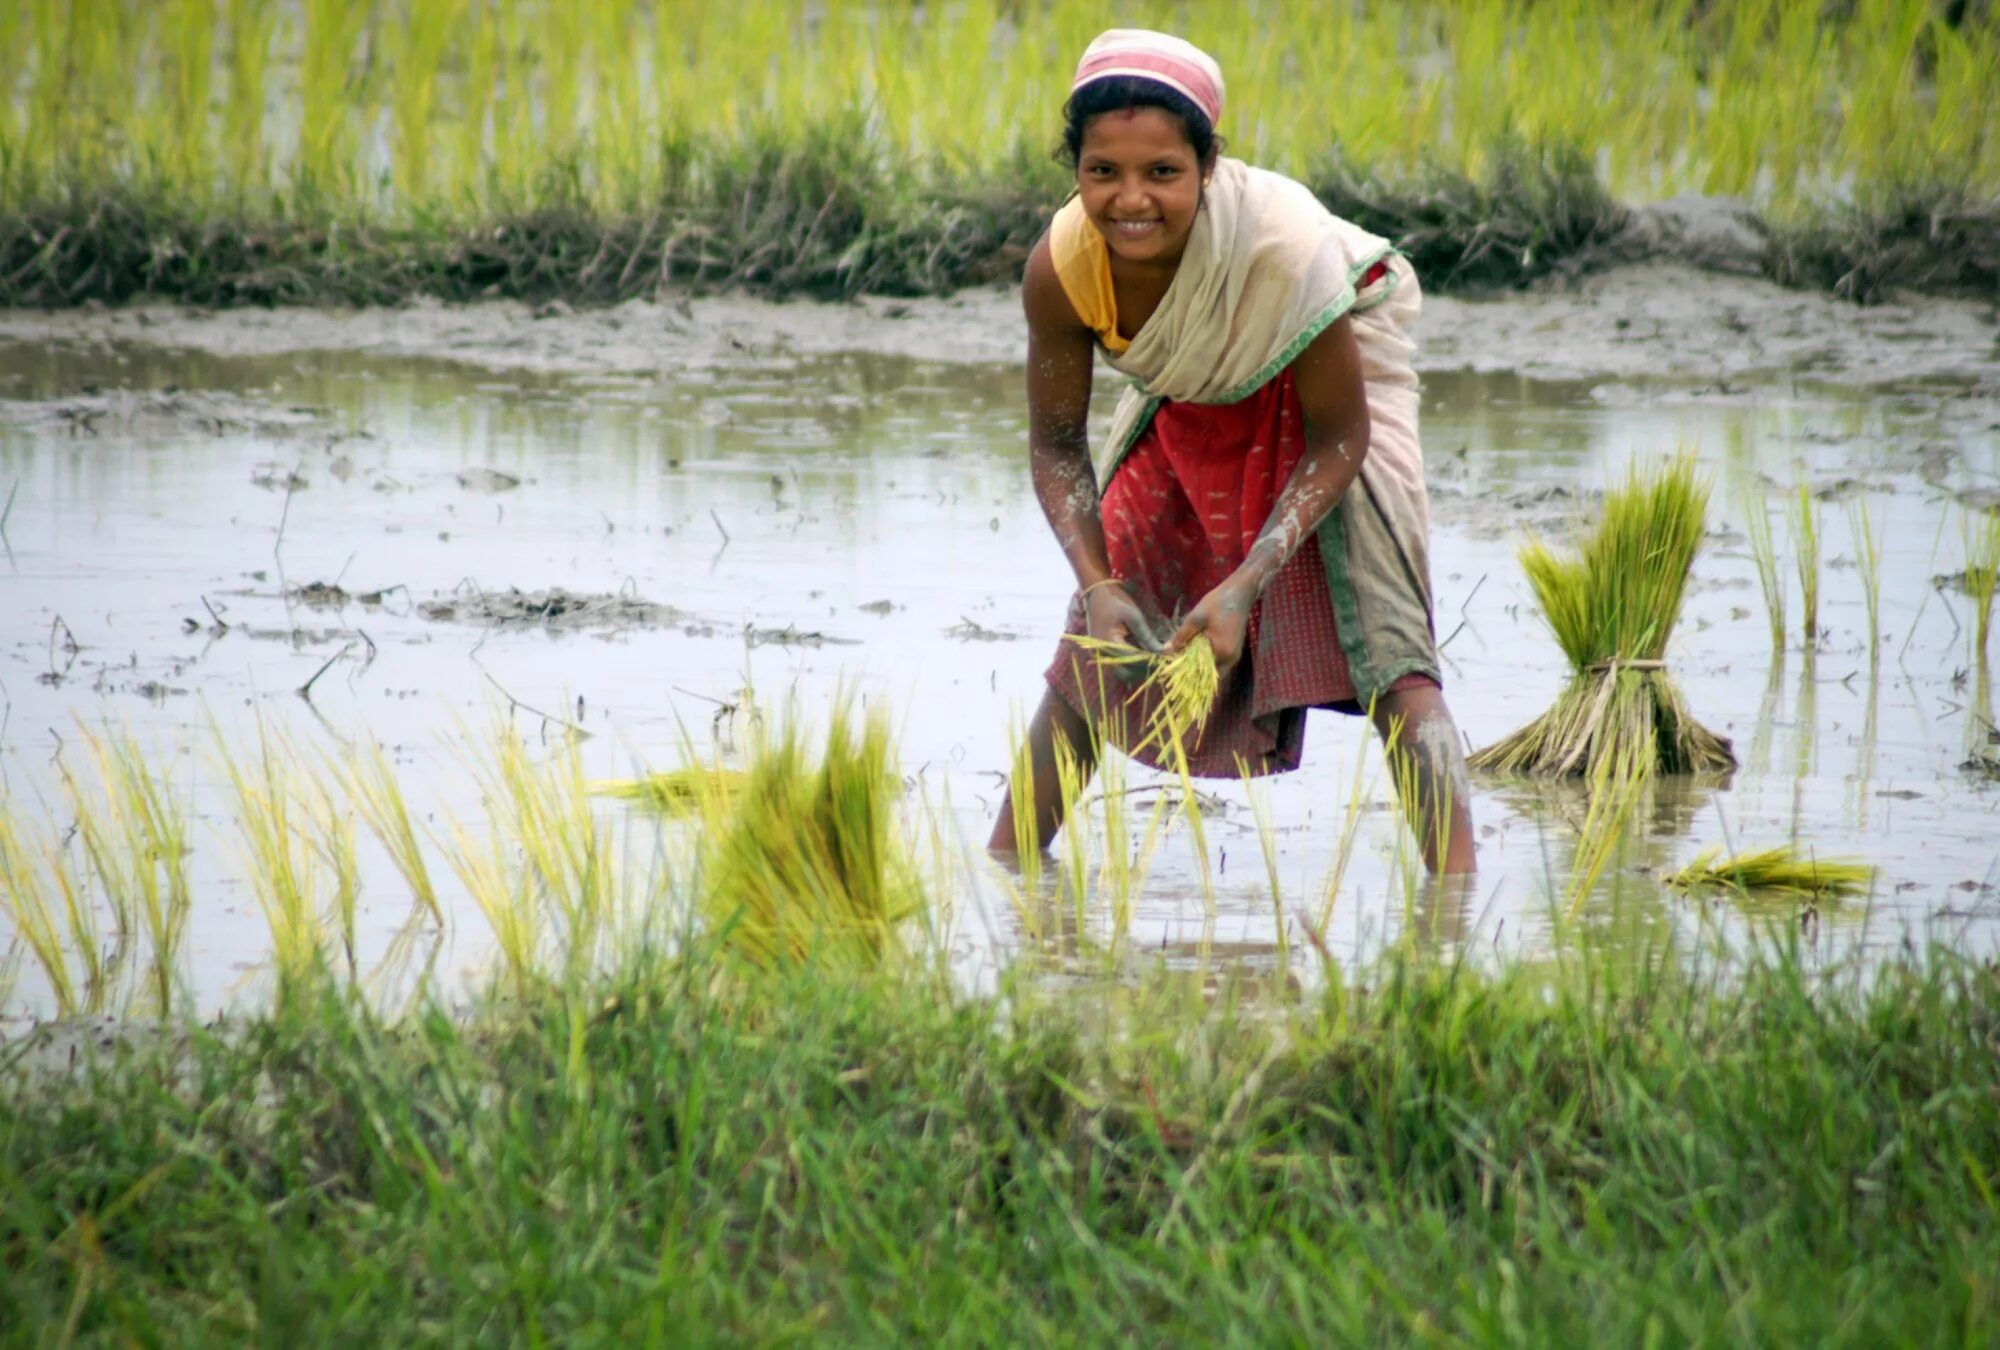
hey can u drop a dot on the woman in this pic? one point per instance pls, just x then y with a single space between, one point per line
1262 484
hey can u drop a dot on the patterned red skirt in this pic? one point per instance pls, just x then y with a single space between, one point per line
1183 509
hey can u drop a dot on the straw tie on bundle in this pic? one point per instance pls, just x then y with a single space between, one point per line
1612 609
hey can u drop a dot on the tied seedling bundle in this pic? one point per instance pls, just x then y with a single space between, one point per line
1612 609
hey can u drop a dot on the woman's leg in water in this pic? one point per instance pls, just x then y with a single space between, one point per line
1054 718
1429 762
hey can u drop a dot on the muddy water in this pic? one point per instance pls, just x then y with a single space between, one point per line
427 543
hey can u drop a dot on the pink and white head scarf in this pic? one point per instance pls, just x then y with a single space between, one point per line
1161 57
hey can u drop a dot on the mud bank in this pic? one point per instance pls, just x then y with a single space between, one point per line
1656 319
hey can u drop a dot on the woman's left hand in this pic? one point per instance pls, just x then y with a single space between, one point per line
1223 616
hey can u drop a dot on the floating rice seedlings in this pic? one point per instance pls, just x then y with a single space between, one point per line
1982 572
1868 562
1763 551
375 793
1612 610
1802 516
1778 871
674 792
803 865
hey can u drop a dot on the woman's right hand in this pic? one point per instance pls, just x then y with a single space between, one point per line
1111 615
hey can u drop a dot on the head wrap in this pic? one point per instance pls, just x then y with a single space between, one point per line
1160 57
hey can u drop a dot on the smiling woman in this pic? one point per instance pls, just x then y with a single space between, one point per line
1262 485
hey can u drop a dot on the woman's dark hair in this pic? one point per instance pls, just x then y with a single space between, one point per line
1121 93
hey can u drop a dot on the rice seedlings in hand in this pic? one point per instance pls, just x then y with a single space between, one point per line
1757 525
1612 610
1179 691
1779 871
1868 562
1802 515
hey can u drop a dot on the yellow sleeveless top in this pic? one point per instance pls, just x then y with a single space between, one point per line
1083 265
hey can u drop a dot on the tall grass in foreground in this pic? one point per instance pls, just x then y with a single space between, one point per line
1612 610
1590 1151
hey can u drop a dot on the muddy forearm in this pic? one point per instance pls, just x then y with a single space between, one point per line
1319 480
1066 486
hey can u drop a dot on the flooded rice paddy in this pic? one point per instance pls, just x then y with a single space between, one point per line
195 537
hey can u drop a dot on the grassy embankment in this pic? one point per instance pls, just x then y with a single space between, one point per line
719 1085
230 151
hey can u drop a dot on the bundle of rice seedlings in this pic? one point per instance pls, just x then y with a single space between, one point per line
1184 686
1612 609
1774 871
801 861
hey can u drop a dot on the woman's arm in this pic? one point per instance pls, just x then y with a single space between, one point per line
1334 399
1061 352
1060 355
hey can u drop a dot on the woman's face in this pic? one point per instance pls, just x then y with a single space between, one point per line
1140 183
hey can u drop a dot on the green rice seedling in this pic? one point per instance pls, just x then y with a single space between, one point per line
674 792
543 812
48 902
283 867
1868 562
1763 551
1982 572
1357 796
1779 871
803 864
1612 610
133 829
417 42
1802 515
375 793
1077 832
1027 829
333 836
252 25
1267 845
1121 876
505 897
1617 782
324 167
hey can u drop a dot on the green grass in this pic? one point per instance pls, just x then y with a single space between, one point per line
247 150
1562 1155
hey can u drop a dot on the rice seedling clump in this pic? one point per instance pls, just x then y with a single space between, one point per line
1612 609
799 857
1781 870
